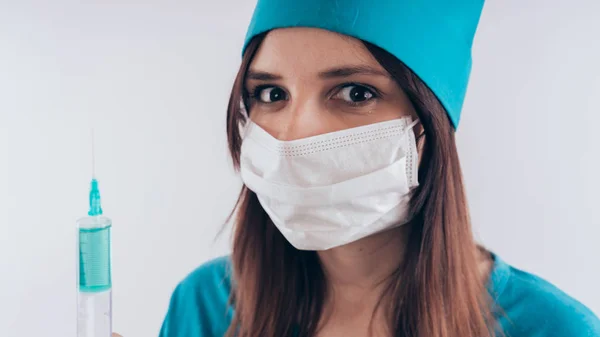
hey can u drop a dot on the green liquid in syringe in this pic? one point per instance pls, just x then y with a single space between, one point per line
94 259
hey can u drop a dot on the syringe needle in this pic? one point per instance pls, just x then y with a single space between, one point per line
93 156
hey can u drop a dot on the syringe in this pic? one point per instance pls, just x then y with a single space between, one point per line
94 279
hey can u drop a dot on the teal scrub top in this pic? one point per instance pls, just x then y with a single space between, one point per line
532 306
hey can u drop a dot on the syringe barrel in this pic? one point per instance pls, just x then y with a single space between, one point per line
94 314
94 277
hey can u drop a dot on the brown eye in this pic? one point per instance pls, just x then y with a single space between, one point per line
270 94
355 94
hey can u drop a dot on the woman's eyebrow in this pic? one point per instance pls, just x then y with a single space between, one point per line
259 75
350 70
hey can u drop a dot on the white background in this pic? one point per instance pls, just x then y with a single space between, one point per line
154 79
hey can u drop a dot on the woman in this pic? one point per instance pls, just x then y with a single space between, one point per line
353 219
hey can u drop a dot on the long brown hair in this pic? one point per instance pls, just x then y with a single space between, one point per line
438 292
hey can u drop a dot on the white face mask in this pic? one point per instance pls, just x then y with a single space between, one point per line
332 189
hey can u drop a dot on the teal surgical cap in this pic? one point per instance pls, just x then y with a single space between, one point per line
431 37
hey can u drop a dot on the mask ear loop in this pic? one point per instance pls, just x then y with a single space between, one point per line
245 123
412 124
412 156
409 128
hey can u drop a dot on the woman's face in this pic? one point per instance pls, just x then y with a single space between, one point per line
304 82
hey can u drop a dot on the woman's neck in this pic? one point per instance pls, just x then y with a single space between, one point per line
356 276
366 263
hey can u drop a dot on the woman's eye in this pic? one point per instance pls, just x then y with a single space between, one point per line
355 94
270 94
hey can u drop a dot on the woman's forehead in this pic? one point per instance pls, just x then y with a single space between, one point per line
310 50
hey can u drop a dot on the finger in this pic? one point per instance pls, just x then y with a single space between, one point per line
116 335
